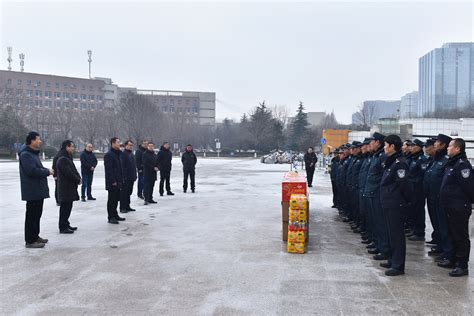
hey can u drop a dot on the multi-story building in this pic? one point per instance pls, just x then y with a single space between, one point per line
446 78
374 110
409 105
49 92
200 107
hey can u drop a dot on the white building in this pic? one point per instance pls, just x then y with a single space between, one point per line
409 105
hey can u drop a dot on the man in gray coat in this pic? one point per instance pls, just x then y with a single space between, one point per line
34 189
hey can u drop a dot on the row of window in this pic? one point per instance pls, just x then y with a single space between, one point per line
178 101
58 105
172 109
57 95
49 85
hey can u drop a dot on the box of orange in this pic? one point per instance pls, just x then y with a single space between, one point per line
293 183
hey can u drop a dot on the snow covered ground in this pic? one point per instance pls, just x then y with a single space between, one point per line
218 251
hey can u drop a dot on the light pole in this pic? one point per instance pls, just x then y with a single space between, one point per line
218 146
9 59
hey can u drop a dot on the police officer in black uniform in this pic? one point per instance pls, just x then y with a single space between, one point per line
395 194
457 196
354 186
363 204
417 170
430 153
334 167
372 191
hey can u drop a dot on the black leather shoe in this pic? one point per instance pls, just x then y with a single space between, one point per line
184 191
366 241
373 251
334 206
42 240
141 197
152 202
66 231
458 272
193 191
119 218
357 230
146 203
431 242
394 272
434 252
161 194
380 257
91 198
82 200
416 238
371 246
170 193
113 221
385 265
72 228
124 211
448 264
131 209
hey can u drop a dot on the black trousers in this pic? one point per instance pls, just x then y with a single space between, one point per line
148 188
125 192
396 237
64 213
56 196
419 216
309 175
191 174
34 210
459 232
140 184
432 205
334 192
112 202
165 177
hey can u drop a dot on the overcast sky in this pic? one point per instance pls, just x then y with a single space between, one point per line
330 55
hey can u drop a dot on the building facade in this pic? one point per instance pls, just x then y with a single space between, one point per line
49 92
409 105
199 107
373 110
446 78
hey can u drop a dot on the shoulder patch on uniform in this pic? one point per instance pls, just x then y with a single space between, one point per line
423 166
465 173
401 173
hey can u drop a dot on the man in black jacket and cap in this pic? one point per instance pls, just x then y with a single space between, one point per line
129 171
457 196
34 189
113 179
139 161
88 165
310 161
68 181
150 167
164 164
189 161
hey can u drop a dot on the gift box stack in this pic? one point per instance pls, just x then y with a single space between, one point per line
298 224
294 184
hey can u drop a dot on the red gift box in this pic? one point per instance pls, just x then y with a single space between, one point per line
293 183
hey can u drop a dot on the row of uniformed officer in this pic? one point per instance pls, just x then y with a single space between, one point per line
378 188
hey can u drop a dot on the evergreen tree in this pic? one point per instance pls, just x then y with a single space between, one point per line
298 128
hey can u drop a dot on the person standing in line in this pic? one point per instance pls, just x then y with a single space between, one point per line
333 174
113 180
310 161
68 181
189 161
150 168
139 161
457 196
55 177
34 189
395 194
129 171
164 164
88 165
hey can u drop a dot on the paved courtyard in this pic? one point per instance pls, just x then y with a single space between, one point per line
218 251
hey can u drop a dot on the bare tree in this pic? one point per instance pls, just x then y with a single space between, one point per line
281 113
367 115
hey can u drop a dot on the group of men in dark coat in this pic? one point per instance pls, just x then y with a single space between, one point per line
121 170
380 187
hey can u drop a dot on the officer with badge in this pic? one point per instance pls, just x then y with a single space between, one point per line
372 192
457 196
334 167
417 170
442 246
395 194
354 183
